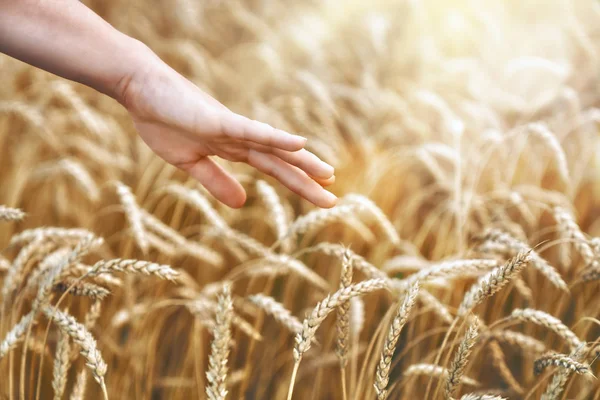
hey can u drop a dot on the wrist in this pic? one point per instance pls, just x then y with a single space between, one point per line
137 59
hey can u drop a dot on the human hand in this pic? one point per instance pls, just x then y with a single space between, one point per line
185 127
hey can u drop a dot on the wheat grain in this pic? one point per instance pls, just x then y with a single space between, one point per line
382 375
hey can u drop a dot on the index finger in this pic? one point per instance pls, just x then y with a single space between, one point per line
242 128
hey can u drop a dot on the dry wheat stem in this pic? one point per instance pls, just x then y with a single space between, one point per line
217 362
492 282
382 374
461 358
499 362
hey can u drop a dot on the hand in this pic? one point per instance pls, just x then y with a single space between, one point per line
185 127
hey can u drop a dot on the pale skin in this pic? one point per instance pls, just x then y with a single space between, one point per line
180 123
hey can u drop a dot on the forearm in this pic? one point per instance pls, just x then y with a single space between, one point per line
68 39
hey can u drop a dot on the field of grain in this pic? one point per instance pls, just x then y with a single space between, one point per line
462 261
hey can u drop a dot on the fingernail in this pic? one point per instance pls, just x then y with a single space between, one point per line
330 198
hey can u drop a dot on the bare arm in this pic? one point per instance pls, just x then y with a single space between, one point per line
182 124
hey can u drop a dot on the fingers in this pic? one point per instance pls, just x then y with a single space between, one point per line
303 159
325 182
293 178
242 128
218 182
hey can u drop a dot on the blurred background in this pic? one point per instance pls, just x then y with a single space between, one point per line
451 116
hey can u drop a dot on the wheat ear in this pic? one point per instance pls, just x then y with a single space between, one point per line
516 246
10 214
276 211
472 396
556 386
382 374
569 229
436 371
320 312
133 267
15 335
492 282
217 362
82 337
343 320
544 319
277 311
62 363
461 358
561 361
78 392
133 214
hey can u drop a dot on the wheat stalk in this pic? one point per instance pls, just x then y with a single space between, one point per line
499 362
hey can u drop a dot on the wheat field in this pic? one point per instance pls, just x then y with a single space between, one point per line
462 261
